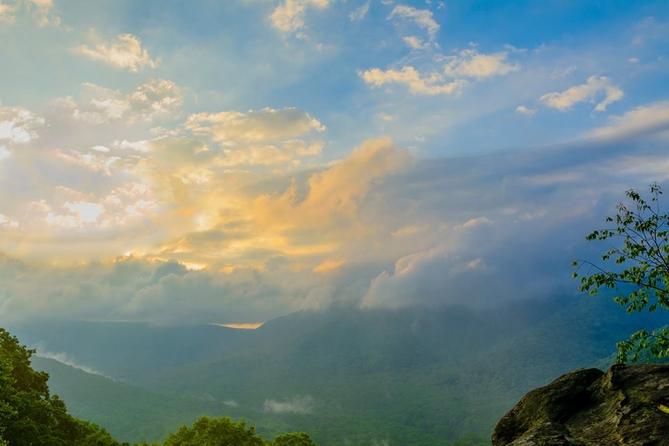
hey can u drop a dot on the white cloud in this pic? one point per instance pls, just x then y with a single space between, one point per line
289 152
421 17
157 98
43 12
595 87
413 42
142 146
124 52
298 404
18 125
66 359
288 17
431 85
524 110
471 63
360 12
645 119
6 222
457 71
263 125
264 137
475 222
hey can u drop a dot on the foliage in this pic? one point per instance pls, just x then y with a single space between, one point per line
215 432
640 271
29 415
293 439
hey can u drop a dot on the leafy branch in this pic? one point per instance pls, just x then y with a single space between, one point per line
638 260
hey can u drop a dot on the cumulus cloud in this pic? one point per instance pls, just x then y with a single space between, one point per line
18 125
288 16
457 71
642 120
262 125
431 84
157 98
300 404
413 42
594 88
254 248
470 63
308 218
263 137
125 52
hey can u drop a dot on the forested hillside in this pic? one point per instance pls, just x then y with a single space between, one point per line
30 415
410 377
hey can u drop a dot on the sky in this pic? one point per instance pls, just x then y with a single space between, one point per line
230 162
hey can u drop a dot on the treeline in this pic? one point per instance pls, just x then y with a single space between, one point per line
31 416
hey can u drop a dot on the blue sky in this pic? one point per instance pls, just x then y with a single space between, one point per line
279 155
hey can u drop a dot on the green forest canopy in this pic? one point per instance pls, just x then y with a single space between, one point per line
31 416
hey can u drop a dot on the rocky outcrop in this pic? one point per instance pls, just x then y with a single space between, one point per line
588 407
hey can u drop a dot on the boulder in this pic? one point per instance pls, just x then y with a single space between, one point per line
627 406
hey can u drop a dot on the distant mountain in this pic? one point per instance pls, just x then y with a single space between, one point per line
126 349
419 376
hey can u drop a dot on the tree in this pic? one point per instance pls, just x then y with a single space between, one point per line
215 432
639 271
293 439
29 415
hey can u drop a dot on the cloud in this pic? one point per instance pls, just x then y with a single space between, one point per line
524 110
302 405
43 12
308 217
6 222
18 125
430 85
157 98
263 125
125 52
450 79
288 16
595 86
642 120
423 18
66 359
413 42
7 13
265 137
267 245
328 266
360 12
470 63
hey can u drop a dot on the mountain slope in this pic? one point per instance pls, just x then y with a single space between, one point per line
128 412
408 377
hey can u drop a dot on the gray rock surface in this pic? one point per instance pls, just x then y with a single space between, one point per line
589 407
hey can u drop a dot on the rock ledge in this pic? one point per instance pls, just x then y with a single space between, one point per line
591 408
